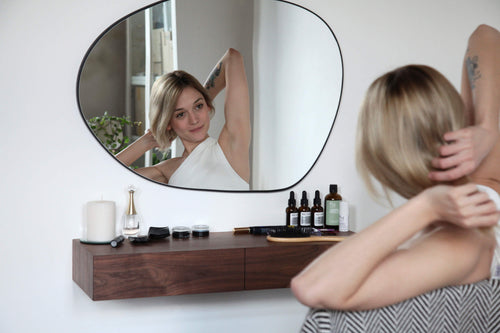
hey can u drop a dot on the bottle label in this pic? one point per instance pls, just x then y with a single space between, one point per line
318 219
305 219
294 219
332 213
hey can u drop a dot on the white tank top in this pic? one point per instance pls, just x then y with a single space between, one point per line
495 263
207 168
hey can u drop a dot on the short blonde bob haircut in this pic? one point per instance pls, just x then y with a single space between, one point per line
164 94
401 125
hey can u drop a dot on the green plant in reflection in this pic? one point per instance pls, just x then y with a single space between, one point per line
110 130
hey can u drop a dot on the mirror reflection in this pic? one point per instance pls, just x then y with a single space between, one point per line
272 115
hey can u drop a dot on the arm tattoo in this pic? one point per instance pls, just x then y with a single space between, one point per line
473 70
215 73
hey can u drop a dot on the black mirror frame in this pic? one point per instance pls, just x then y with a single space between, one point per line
209 190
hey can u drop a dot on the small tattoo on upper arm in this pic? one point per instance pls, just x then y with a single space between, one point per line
473 70
215 73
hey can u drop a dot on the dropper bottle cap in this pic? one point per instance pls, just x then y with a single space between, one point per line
303 201
291 200
317 199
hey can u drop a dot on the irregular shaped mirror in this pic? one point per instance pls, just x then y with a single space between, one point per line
293 68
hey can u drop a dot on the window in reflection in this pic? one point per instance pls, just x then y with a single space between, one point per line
128 59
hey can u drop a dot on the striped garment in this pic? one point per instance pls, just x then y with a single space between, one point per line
471 308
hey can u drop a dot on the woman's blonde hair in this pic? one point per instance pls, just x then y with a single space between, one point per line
164 94
401 126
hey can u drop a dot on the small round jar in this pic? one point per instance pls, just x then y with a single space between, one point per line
200 230
180 232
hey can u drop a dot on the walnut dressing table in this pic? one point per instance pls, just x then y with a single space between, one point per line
217 263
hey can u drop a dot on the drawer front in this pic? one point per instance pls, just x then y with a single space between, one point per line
274 266
170 273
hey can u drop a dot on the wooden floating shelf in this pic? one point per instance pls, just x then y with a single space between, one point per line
217 263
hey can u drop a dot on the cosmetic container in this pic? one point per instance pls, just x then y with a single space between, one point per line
292 214
117 241
200 230
317 212
344 216
332 208
181 232
304 211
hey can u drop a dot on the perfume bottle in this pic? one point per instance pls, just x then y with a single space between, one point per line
131 220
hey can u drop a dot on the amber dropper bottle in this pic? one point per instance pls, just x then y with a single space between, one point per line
292 214
318 215
304 211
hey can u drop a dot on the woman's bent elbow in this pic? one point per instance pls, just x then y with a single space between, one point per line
313 296
301 291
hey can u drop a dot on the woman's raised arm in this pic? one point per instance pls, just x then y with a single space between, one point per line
130 154
370 270
481 96
229 73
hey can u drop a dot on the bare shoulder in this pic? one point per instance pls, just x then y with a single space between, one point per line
447 233
168 167
473 248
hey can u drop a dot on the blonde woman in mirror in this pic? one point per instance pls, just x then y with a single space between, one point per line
446 233
181 108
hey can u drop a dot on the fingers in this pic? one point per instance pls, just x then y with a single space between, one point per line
465 206
466 149
454 147
485 220
469 194
479 207
454 173
460 134
452 160
476 207
457 159
467 189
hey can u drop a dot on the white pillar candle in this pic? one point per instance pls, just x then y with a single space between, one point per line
100 221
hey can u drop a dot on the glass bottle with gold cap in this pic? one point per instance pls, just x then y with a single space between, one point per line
131 218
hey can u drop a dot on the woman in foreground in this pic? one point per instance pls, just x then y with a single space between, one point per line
446 233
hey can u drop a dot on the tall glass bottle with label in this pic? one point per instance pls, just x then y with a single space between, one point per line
332 208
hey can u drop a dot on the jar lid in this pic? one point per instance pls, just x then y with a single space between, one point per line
180 232
200 230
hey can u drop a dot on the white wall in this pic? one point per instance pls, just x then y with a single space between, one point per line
296 94
51 165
